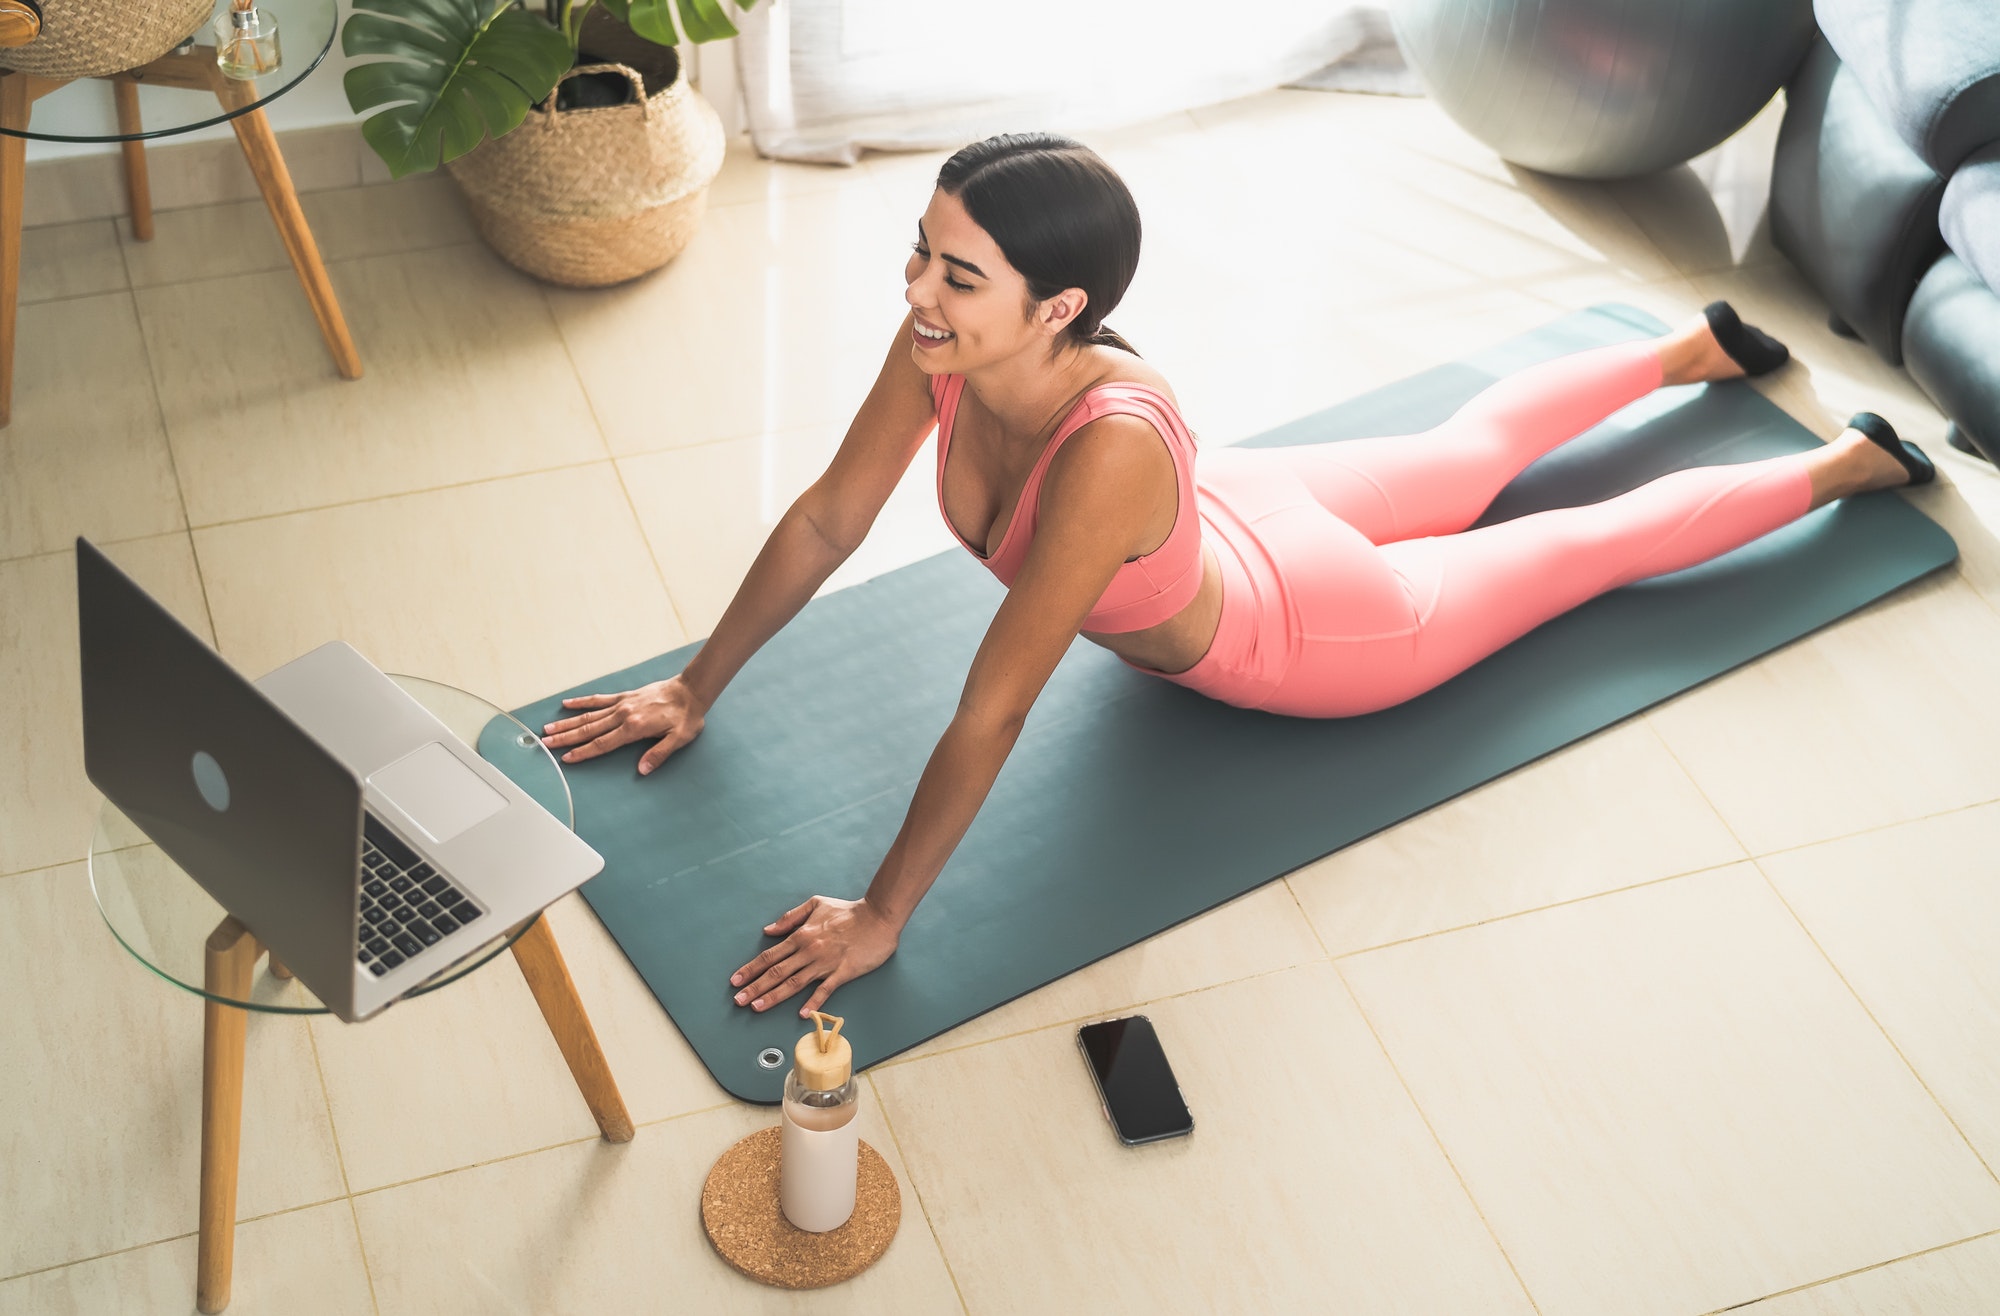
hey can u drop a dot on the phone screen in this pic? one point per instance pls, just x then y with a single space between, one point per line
1138 1086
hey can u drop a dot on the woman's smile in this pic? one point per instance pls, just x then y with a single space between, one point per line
928 336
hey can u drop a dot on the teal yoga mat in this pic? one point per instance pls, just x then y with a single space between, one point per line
1130 804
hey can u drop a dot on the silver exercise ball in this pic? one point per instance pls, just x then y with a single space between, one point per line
1602 88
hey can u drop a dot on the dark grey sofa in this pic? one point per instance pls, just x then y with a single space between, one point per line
1886 192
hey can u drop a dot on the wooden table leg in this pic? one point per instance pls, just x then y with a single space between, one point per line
548 978
138 190
231 958
260 148
14 101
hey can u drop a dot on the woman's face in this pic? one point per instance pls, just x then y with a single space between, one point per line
972 308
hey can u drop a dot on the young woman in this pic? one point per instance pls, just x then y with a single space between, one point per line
1319 581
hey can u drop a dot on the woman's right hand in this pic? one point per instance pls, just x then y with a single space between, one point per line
666 709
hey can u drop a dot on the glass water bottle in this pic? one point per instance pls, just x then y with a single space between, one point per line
819 1148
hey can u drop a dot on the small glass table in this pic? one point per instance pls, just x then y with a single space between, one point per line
176 929
183 90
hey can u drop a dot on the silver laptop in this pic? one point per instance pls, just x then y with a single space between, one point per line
339 820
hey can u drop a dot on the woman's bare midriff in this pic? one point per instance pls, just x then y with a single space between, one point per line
1180 641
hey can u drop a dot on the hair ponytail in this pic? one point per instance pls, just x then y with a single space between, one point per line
1060 215
1106 336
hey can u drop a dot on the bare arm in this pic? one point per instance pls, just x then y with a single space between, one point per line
820 530
1100 496
826 523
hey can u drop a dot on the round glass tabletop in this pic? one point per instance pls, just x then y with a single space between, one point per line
164 918
178 91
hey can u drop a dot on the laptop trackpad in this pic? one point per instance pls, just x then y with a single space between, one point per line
440 794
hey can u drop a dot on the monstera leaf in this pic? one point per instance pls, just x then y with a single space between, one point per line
702 20
455 72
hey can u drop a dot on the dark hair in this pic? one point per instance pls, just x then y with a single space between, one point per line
1060 215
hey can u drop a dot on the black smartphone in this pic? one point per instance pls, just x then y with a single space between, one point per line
1141 1097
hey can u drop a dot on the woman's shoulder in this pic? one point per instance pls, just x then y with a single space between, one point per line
1122 367
1095 415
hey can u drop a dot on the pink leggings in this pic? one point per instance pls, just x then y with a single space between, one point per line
1351 583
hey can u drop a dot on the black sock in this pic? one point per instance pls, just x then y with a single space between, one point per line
1748 346
1883 435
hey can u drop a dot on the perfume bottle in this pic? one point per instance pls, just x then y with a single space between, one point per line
819 1151
246 40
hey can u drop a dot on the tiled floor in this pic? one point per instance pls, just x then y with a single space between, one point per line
1699 1013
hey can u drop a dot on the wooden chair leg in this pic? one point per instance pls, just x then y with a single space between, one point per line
548 978
138 190
278 969
231 958
260 148
15 99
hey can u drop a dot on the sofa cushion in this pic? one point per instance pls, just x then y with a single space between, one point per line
1969 214
1933 66
1951 343
1851 206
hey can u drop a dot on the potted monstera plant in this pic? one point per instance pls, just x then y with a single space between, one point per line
608 180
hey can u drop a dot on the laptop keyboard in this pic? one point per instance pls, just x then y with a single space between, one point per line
406 905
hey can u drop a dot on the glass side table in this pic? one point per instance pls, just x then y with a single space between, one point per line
196 95
173 927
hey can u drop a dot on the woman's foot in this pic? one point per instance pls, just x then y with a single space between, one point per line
1717 345
1866 456
1916 467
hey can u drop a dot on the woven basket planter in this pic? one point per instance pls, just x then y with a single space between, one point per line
592 197
90 38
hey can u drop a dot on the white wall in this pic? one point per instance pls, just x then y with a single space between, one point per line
86 106
314 103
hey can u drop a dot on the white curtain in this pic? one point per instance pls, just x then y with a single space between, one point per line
825 80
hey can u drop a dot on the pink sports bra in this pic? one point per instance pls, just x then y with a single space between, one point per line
1147 590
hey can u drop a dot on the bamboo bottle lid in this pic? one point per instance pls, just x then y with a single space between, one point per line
823 1059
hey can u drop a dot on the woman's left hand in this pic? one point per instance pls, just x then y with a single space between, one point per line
828 940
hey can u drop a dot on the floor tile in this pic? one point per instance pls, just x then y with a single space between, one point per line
1672 300
101 1109
1251 935
1966 502
238 237
1230 389
470 1073
455 1077
1309 1183
1669 1073
1709 214
466 379
85 452
1909 915
73 190
777 316
70 260
1611 811
905 181
1401 169
706 543
747 176
510 588
592 1228
1952 1281
1778 746
302 1263
46 803
1837 376
658 1073
197 172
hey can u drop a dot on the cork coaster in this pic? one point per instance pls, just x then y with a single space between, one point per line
739 1209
